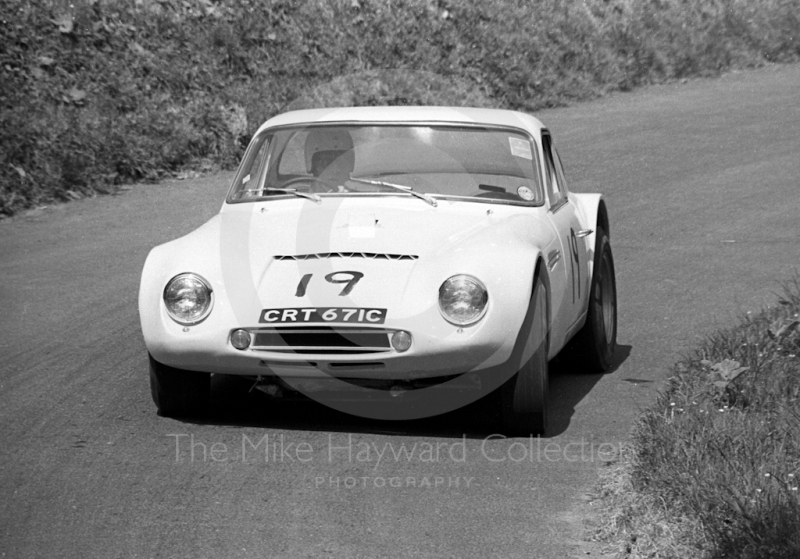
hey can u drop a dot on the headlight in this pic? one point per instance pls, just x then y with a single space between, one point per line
188 298
462 300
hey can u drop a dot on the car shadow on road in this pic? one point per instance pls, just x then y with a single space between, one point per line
568 386
235 403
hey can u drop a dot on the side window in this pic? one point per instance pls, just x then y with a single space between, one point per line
554 176
562 183
250 173
261 162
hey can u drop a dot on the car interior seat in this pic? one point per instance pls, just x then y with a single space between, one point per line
329 157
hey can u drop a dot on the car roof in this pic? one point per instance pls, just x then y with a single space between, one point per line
455 115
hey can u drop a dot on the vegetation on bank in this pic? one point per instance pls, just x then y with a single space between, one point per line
714 465
94 93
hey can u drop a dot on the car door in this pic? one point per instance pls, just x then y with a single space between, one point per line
567 263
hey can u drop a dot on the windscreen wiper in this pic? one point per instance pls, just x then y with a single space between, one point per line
402 187
313 197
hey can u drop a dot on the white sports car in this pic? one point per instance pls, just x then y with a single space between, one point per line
393 262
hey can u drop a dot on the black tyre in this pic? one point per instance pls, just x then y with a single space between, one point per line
524 398
179 393
592 350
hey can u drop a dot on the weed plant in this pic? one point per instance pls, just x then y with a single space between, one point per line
94 93
720 449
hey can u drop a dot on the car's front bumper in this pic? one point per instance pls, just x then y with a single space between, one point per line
429 356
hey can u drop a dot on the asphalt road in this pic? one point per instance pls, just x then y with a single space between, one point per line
702 186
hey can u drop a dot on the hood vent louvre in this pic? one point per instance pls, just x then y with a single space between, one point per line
370 255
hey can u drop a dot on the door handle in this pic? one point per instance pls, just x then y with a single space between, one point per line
584 233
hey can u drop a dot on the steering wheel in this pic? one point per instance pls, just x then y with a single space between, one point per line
315 184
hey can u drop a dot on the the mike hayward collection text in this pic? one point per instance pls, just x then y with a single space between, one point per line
349 448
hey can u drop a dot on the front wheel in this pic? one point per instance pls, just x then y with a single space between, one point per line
524 398
178 393
594 346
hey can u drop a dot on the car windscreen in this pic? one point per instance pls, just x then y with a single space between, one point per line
446 161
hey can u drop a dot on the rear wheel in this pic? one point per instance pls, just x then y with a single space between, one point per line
593 347
178 393
524 397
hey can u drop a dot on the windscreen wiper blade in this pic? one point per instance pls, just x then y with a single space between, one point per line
313 197
402 187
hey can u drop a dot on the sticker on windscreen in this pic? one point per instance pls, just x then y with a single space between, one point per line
521 148
525 193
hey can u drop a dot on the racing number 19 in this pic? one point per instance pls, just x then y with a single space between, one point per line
331 278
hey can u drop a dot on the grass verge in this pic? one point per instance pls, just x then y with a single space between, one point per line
94 93
714 465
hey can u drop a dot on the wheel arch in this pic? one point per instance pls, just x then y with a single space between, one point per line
602 218
540 270
594 213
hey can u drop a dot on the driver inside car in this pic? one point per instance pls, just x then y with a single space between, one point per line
330 158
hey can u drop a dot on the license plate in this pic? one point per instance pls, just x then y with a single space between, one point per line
322 314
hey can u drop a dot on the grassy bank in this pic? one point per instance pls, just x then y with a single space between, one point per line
714 466
94 93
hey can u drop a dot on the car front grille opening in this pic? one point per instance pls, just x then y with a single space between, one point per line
357 366
321 340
